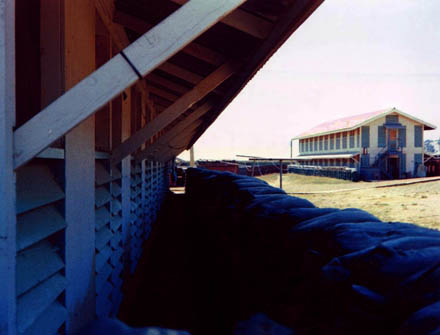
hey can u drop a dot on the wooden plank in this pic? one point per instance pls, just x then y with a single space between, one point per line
244 21
158 80
174 111
37 225
78 52
164 94
49 322
35 265
196 50
149 51
168 136
126 169
298 12
34 303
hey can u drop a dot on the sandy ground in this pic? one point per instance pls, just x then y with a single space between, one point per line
415 203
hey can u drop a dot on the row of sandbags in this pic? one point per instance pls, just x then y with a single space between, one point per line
314 270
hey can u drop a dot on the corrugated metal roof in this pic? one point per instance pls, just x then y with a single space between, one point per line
343 123
352 122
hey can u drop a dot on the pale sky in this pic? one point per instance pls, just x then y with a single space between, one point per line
349 57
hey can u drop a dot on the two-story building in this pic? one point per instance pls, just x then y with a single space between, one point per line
385 144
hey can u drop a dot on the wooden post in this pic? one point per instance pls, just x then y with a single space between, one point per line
79 61
7 175
191 157
281 174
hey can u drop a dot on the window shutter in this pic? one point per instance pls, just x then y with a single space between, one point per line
381 137
418 136
402 137
402 164
365 137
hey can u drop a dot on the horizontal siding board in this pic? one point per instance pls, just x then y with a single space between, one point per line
116 173
36 264
115 258
32 305
37 225
102 217
102 237
102 277
102 176
116 223
49 322
36 186
102 196
102 257
116 189
116 206
116 240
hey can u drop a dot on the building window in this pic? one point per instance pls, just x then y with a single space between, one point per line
338 141
365 136
320 143
392 119
316 144
344 140
332 142
358 132
326 143
352 139
418 136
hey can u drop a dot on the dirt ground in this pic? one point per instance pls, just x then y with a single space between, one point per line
416 203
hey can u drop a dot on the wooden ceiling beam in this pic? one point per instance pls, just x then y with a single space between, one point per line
163 94
153 79
144 55
194 49
105 10
163 140
244 21
185 102
181 73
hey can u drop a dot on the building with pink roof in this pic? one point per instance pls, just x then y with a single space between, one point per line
385 144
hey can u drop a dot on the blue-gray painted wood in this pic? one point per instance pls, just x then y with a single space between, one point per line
338 142
352 141
35 265
48 322
402 136
80 219
402 164
102 276
37 225
381 137
103 236
418 159
36 187
34 303
102 196
332 142
418 136
102 176
102 257
7 175
102 217
365 136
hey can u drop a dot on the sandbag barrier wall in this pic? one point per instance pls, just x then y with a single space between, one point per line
339 173
315 270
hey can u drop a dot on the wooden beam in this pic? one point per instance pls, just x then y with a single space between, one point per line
168 136
298 12
244 21
196 50
158 80
184 74
174 111
162 93
106 9
145 54
178 144
78 52
7 175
